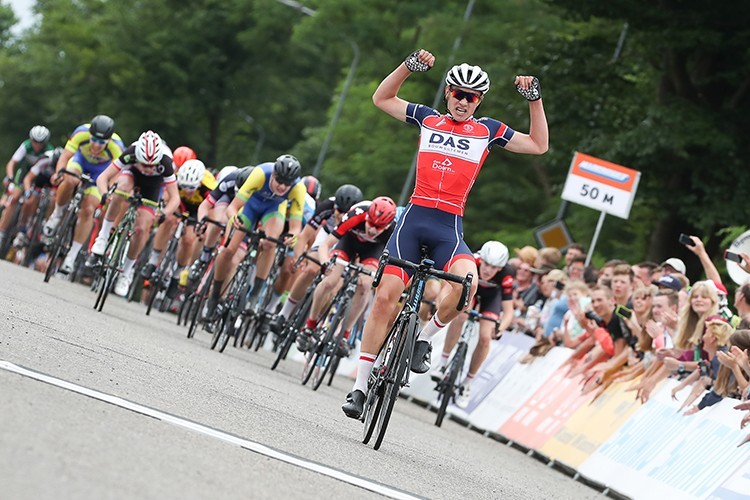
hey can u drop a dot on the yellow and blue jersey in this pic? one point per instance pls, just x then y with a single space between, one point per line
80 142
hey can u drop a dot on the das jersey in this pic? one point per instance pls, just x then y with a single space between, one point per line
450 156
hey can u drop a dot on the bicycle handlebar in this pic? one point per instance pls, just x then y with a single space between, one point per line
426 267
308 257
261 235
81 177
356 267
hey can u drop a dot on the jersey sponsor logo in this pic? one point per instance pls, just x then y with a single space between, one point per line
468 127
449 141
444 166
508 283
467 148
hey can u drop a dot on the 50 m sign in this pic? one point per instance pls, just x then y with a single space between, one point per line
601 185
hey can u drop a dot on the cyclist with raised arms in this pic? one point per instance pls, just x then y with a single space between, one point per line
262 198
91 148
495 297
327 216
27 154
145 165
452 149
362 234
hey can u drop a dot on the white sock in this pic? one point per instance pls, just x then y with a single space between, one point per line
58 211
275 299
75 249
363 371
128 267
469 379
289 306
433 326
105 229
443 359
154 257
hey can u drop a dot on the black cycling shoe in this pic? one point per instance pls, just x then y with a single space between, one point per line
148 271
276 324
173 288
210 311
343 348
355 402
420 363
305 340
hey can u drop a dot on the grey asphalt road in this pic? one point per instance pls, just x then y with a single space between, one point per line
233 428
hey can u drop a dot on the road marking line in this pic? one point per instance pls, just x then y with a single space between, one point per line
325 470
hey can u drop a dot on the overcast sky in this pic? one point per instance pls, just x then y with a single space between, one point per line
22 8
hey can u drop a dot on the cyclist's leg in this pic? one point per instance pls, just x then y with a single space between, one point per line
451 339
65 190
83 227
432 288
282 282
273 225
303 278
7 214
116 206
164 233
325 291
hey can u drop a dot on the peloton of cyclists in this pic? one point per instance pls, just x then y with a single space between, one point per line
361 234
262 198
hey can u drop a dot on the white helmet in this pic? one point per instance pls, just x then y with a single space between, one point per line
39 133
190 174
470 77
149 148
494 253
225 171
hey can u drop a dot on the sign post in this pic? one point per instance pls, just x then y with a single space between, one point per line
603 186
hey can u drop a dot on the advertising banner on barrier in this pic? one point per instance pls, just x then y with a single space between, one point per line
737 487
591 425
660 453
546 411
512 391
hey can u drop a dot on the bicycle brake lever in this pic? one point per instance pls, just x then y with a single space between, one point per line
465 289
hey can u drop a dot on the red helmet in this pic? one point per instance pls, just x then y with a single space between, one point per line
382 211
183 154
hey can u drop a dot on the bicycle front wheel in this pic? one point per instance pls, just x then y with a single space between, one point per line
447 386
396 371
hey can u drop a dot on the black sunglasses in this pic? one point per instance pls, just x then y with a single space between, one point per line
470 97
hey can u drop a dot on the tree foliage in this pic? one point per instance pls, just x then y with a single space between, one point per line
230 77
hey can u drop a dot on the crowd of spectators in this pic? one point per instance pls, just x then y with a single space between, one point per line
638 324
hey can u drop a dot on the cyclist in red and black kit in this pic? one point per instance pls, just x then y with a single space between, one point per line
144 165
495 300
452 149
328 214
362 233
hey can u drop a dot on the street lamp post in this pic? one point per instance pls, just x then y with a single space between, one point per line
438 96
349 77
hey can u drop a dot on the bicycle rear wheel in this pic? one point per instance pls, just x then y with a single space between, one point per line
197 306
396 371
447 386
329 349
311 359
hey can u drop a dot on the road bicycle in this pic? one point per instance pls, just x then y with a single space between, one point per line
160 279
330 330
392 373
113 260
450 385
63 237
288 335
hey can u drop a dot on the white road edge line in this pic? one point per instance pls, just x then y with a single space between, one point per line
360 482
